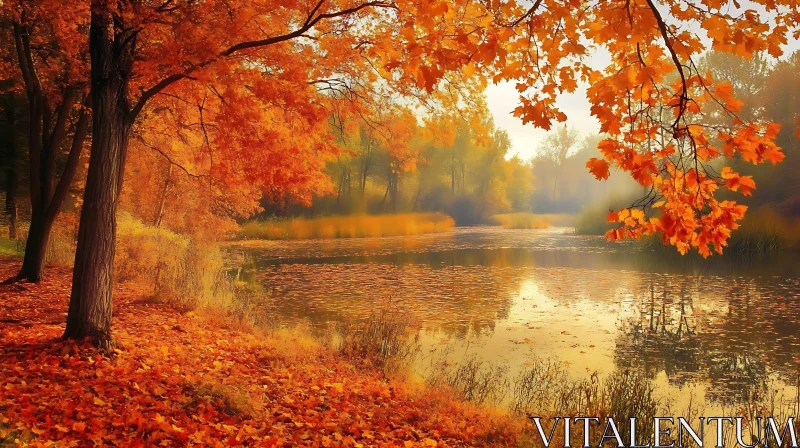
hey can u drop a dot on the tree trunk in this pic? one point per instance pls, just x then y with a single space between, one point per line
364 171
92 280
42 217
13 166
393 192
416 199
453 173
36 248
45 141
388 187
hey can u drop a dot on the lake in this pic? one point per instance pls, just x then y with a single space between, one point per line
716 330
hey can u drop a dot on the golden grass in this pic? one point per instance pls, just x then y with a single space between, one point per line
348 226
186 274
532 220
764 231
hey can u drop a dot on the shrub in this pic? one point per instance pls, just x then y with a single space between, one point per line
592 221
184 273
61 248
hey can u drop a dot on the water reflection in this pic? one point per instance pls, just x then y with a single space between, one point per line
720 326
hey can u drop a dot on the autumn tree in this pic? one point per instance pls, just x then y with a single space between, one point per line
283 55
46 59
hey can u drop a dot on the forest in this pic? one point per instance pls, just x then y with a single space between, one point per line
286 223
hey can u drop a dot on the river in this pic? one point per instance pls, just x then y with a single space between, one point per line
717 330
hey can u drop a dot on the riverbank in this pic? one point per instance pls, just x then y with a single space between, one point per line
763 233
183 380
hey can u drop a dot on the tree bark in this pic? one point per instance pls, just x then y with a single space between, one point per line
13 166
42 218
112 60
45 141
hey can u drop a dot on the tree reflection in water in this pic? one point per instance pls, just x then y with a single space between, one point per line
723 326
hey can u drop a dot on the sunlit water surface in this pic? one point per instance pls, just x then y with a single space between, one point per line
715 330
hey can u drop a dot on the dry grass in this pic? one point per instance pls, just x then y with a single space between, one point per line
764 231
348 226
472 380
387 339
183 273
521 221
233 401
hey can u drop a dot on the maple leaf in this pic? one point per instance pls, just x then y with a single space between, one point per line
598 167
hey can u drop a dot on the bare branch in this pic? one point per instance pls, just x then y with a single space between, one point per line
665 35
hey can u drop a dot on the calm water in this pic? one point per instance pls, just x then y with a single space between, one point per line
715 329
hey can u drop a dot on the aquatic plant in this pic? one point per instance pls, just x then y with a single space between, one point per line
386 339
473 380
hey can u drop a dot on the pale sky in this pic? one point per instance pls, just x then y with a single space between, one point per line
503 98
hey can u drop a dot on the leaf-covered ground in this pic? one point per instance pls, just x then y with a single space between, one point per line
181 380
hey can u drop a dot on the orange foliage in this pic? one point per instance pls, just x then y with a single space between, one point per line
181 381
242 90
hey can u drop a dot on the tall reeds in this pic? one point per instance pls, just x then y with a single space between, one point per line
357 226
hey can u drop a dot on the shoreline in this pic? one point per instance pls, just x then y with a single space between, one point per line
183 379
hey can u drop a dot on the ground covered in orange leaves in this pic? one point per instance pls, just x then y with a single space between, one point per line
179 380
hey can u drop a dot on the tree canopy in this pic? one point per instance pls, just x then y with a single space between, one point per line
242 93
